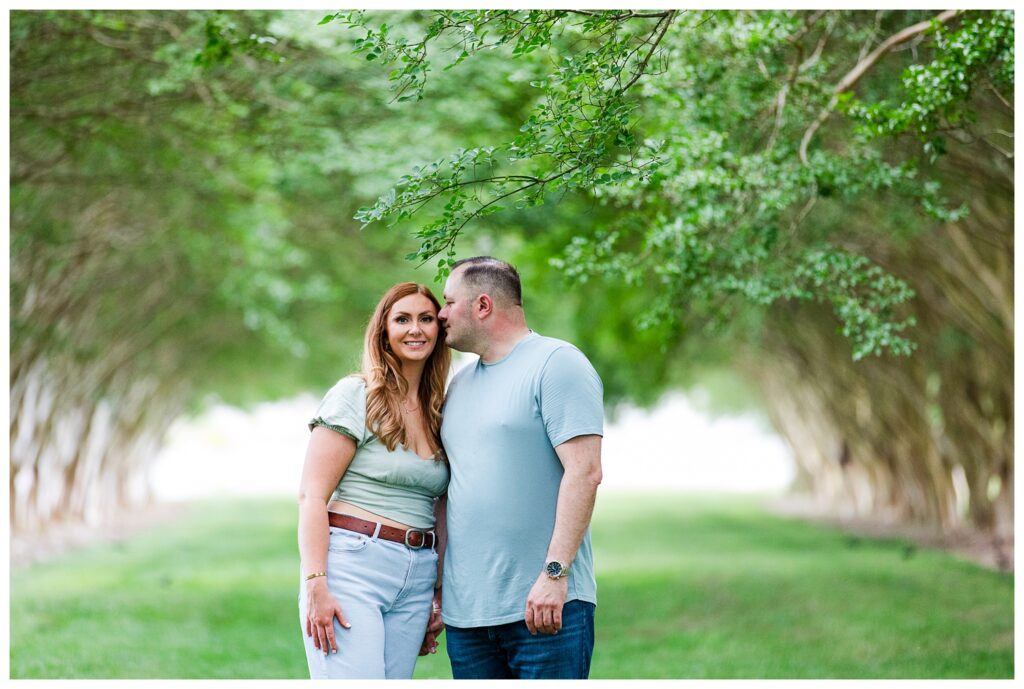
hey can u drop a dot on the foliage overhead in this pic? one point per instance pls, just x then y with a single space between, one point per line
695 126
767 192
190 178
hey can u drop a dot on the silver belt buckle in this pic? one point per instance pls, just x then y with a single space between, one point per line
423 539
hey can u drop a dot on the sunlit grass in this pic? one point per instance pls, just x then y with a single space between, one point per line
689 587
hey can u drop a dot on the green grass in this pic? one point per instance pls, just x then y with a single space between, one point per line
689 587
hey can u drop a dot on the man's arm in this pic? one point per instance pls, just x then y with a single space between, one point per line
581 459
435 625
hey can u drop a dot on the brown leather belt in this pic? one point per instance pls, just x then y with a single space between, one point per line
413 538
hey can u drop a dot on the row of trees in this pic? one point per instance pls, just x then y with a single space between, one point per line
821 201
767 179
181 231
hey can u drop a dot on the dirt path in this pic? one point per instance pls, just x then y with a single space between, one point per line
63 538
984 549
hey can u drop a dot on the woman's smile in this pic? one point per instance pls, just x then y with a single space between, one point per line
412 327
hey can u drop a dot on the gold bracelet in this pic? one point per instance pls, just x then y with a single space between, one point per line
314 575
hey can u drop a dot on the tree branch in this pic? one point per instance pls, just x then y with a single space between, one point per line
627 15
809 22
800 66
862 67
666 21
1001 97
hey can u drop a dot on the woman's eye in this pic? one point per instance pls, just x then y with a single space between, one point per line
427 319
401 319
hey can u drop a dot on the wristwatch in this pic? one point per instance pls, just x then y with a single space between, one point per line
556 570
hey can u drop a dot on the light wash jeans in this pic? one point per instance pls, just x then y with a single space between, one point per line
385 590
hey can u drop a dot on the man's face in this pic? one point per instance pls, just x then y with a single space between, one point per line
457 313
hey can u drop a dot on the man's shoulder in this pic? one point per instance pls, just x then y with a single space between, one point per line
459 378
549 345
552 348
463 372
562 363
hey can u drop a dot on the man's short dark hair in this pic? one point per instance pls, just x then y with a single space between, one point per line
488 274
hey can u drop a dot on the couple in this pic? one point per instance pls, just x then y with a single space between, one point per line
489 491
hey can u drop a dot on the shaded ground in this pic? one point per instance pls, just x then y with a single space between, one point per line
991 551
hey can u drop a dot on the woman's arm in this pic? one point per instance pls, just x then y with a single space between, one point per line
327 457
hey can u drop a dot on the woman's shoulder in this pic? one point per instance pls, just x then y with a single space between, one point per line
351 390
353 381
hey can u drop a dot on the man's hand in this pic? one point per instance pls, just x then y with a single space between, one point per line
544 604
429 644
434 626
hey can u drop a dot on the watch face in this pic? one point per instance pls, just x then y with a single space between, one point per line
554 569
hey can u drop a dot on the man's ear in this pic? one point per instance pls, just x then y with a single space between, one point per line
485 305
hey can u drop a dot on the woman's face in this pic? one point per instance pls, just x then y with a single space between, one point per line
412 328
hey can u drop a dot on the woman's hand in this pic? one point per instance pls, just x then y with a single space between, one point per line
321 609
327 457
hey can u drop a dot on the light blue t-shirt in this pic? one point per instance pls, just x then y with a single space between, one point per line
501 424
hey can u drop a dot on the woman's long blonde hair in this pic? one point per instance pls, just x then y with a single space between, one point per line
385 385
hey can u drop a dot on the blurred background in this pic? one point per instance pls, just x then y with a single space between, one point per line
229 452
797 286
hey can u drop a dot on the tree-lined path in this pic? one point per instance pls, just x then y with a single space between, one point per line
815 205
819 201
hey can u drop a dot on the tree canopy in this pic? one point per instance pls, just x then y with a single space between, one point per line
819 200
701 164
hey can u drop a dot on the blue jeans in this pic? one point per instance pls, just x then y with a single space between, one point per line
385 590
509 651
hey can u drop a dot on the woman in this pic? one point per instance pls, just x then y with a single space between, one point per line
370 520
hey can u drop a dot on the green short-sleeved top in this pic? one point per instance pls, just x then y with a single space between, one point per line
398 485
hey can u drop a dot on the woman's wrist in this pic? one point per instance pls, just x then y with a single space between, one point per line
313 581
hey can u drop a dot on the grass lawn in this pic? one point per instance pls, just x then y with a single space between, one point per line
689 587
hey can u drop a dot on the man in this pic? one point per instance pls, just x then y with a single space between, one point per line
522 429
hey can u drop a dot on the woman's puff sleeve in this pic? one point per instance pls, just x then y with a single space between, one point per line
343 409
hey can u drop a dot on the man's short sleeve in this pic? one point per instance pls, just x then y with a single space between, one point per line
343 409
571 396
